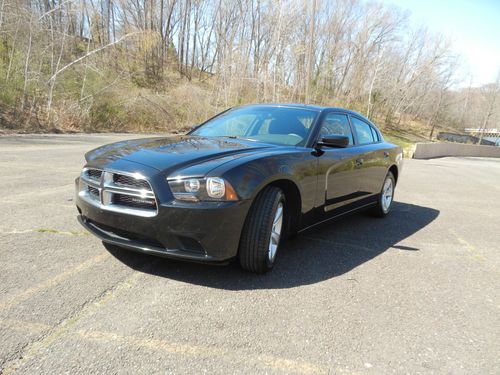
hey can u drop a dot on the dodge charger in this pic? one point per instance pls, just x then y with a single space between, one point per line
238 185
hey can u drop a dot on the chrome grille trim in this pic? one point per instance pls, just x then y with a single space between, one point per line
92 175
101 192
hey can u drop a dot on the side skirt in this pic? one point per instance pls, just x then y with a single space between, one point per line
335 214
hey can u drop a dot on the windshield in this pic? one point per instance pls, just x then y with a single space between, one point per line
278 125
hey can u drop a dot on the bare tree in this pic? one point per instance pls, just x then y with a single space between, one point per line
492 93
89 56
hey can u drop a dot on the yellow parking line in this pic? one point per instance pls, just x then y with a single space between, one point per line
277 363
37 193
473 251
65 328
45 230
23 203
23 296
288 365
147 343
283 364
23 326
34 348
15 231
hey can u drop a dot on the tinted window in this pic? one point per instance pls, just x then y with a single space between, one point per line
375 134
363 131
279 125
336 124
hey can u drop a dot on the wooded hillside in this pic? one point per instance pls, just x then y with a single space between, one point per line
162 65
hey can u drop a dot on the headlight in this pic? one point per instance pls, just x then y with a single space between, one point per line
202 189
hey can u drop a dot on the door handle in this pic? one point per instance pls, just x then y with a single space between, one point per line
359 162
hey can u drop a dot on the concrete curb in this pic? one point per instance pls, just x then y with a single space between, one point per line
442 149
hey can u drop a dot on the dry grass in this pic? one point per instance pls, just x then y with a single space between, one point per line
125 108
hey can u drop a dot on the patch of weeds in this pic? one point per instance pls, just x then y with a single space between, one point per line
71 233
46 230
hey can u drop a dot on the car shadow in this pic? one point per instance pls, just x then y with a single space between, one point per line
329 250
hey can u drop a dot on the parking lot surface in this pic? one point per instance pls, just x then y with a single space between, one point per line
417 292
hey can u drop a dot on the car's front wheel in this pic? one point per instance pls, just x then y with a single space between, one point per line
262 233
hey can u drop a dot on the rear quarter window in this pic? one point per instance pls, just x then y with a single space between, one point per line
364 131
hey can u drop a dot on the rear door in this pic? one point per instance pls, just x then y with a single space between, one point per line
372 160
339 177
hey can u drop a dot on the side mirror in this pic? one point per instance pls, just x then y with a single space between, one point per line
339 141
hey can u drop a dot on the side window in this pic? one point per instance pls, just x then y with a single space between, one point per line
364 132
336 124
376 137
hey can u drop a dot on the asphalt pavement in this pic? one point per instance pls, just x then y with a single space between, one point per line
417 292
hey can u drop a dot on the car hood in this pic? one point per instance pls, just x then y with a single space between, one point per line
172 153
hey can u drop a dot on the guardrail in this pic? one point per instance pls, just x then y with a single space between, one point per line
441 149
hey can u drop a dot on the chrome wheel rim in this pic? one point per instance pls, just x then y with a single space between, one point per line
387 193
275 233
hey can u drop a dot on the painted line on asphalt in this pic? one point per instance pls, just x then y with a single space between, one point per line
474 253
23 296
46 147
278 363
24 326
39 193
288 365
23 203
65 328
184 349
46 230
33 349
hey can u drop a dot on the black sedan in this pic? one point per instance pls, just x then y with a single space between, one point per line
237 185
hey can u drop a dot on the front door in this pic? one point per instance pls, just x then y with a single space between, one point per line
338 168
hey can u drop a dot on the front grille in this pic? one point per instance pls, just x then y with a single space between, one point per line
118 192
135 202
129 181
94 174
93 192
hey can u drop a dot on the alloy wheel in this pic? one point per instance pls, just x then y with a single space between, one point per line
387 195
275 233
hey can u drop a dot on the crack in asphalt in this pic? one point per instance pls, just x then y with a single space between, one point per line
49 334
17 359
52 281
45 230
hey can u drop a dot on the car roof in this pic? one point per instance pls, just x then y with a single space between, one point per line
312 107
287 105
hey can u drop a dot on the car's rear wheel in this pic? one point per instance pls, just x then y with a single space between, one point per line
262 233
385 197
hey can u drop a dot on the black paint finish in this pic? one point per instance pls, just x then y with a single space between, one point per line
327 182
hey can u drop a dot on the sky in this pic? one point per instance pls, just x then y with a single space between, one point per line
472 25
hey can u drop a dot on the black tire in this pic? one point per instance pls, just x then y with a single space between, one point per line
256 234
380 210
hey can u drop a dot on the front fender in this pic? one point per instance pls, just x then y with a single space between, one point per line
248 176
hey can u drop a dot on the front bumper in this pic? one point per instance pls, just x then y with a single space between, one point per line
202 232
